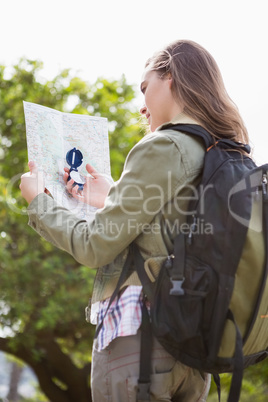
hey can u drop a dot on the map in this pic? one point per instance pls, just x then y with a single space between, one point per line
51 134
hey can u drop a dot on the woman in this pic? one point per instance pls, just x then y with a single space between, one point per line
147 205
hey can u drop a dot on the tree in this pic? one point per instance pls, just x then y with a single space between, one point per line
16 371
44 291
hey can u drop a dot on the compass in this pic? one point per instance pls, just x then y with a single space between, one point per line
74 158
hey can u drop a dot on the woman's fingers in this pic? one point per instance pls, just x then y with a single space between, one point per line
77 193
66 175
90 169
70 185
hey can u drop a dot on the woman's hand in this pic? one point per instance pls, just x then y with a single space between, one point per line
95 188
32 183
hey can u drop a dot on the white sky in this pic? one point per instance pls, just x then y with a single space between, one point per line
111 37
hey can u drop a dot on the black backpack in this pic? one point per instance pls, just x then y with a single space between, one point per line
209 304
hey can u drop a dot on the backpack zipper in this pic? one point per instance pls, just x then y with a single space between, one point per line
192 229
264 184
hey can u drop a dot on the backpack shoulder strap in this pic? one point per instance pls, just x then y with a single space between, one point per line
196 130
209 140
123 276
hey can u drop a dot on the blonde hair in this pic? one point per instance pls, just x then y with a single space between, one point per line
198 84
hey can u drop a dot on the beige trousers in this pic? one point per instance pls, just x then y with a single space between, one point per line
115 372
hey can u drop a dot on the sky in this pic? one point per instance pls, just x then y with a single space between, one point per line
108 38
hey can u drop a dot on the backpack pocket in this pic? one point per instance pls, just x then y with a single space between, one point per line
183 319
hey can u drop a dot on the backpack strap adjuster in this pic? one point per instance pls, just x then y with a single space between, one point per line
177 289
143 394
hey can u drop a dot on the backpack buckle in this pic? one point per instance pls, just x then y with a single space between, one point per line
143 394
177 289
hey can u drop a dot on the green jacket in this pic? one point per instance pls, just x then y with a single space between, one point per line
147 204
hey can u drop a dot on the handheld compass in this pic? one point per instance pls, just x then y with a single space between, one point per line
74 158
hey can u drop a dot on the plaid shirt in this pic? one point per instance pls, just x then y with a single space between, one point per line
123 317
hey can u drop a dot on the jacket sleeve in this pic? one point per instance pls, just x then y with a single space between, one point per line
152 172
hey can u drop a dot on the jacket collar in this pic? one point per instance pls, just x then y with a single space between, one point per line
181 118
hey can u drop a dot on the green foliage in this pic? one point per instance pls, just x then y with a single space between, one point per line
254 386
44 291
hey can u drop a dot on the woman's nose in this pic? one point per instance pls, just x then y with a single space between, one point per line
143 109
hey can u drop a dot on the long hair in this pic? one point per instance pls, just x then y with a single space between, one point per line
198 84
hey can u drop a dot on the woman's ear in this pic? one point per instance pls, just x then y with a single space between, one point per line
169 78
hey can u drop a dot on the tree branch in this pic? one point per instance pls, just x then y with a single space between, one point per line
53 364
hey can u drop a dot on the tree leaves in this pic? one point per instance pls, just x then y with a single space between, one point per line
44 291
